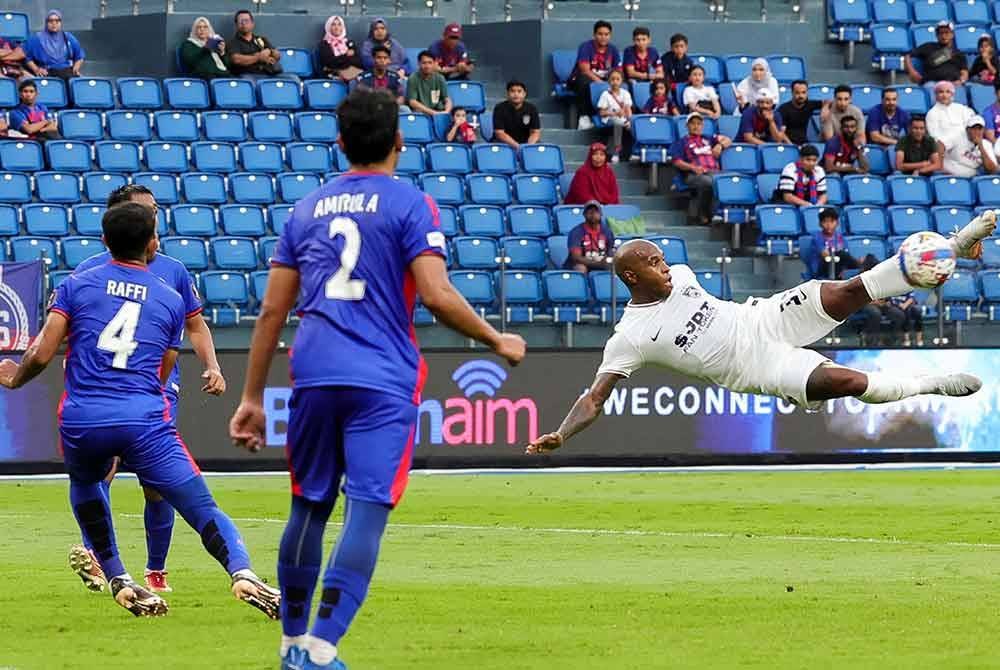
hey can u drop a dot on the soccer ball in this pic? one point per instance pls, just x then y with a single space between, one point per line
926 259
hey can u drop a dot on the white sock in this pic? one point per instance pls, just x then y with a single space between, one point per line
287 642
245 572
885 280
321 652
888 388
123 576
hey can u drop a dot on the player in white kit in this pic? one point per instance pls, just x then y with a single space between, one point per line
757 346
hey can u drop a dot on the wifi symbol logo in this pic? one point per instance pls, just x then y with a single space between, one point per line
479 376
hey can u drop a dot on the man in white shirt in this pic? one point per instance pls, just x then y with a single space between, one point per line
946 119
969 153
757 346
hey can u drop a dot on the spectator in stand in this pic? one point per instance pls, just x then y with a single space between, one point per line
594 180
591 243
642 61
913 318
677 64
802 182
451 55
917 152
595 60
971 153
659 102
699 97
941 60
515 120
427 91
31 117
252 56
12 60
843 154
54 52
828 256
380 77
339 56
992 114
986 65
461 130
887 122
378 35
762 123
759 79
946 119
615 108
203 52
797 113
840 109
697 157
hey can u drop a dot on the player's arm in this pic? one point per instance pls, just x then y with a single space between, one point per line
204 349
583 413
39 353
167 366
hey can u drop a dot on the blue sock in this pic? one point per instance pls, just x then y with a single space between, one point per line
159 518
195 504
299 557
93 515
346 579
106 489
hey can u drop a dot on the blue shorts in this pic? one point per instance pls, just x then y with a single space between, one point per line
157 454
362 436
172 399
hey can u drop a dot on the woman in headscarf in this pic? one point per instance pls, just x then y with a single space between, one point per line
378 33
760 79
54 52
204 52
338 55
594 180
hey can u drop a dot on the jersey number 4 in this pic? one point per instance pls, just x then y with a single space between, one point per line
340 286
118 337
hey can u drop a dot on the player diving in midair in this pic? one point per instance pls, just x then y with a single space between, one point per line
757 346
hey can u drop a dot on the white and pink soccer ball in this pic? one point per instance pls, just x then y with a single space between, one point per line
926 259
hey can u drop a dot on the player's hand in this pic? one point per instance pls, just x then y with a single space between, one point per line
543 444
511 347
246 428
215 383
8 368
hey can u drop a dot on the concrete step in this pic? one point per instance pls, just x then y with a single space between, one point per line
753 282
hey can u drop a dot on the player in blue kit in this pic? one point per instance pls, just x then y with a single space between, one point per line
124 326
355 253
158 514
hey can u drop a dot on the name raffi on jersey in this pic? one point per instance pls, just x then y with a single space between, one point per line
127 290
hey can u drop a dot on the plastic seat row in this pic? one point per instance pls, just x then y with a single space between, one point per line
491 189
485 158
534 253
891 41
848 16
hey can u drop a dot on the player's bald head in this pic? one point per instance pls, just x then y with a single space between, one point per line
632 254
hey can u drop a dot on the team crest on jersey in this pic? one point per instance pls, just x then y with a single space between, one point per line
691 292
526 119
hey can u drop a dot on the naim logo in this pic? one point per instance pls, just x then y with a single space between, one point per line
474 417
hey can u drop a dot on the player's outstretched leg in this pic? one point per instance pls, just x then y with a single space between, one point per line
833 381
158 516
82 559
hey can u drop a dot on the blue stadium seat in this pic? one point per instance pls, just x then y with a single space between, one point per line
535 189
166 156
491 189
21 156
164 186
713 66
68 156
673 248
930 11
821 92
279 94
92 93
959 294
316 126
967 36
340 159
267 246
8 95
86 219
971 11
252 188
913 99
191 251
525 253
416 128
224 126
59 187
865 220
10 221
476 253
296 61
542 159
140 93
524 295
714 283
186 93
947 219
601 285
741 158
324 94
727 100
258 284
563 64
767 183
225 289
482 220
786 68
194 220
860 246
780 226
213 157
640 93
81 125
981 96
448 217
881 161
128 125
446 189
653 137
97 186
774 157
46 219
910 190
835 191
558 249
989 280
76 250
203 188
14 26
309 157
906 220
567 217
24 249
890 11
176 126
956 191
736 194
526 220
51 92
810 218
15 187
475 287
620 212
114 156
454 158
866 96
234 253
850 19
261 157
468 94
277 216
987 190
242 220
568 292
411 160
866 190
232 94
442 124
271 126
56 277
738 66
293 186
991 252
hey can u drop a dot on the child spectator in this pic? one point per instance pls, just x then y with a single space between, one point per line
595 60
461 130
515 120
451 55
760 79
677 64
615 108
659 100
642 61
828 257
985 67
698 97
802 182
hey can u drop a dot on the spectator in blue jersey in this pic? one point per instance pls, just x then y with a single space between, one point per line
382 78
641 60
591 243
887 122
991 115
339 55
677 64
761 123
844 153
802 182
54 52
697 157
31 117
828 256
595 59
378 34
451 55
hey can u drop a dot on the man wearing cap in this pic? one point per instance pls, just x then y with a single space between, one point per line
451 55
946 119
591 243
761 123
941 60
843 154
971 151
803 182
697 157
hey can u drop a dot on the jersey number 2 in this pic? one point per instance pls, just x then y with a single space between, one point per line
340 286
118 337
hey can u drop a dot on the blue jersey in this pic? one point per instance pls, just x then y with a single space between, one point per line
352 241
176 276
122 319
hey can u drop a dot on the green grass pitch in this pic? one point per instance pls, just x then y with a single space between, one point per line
768 570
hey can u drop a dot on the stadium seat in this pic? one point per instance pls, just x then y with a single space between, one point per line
981 96
906 220
8 95
113 156
252 188
10 221
233 94
835 190
191 251
277 216
416 128
68 156
991 252
296 61
786 68
97 186
780 226
213 157
58 187
861 246
51 92
324 94
849 20
653 136
525 253
24 249
774 157
204 189
738 67
164 186
558 250
971 11
535 189
567 217
166 157
308 157
526 220
14 26
140 93
482 220
880 160
15 187
967 37
258 284
176 126
86 219
76 250
948 219
930 11
261 157
129 126
316 126
454 158
866 190
81 125
476 287
641 95
913 99
741 158
267 246
713 66
448 216
411 160
523 293
987 190
568 292
865 220
866 96
714 283
45 219
959 294
56 277
468 94
242 220
444 188
956 191
225 289
271 126
279 94
234 253
601 285
194 220
340 160
476 253
910 190
563 64
293 186
989 281
92 93
542 159
21 156
736 194
224 126
186 93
